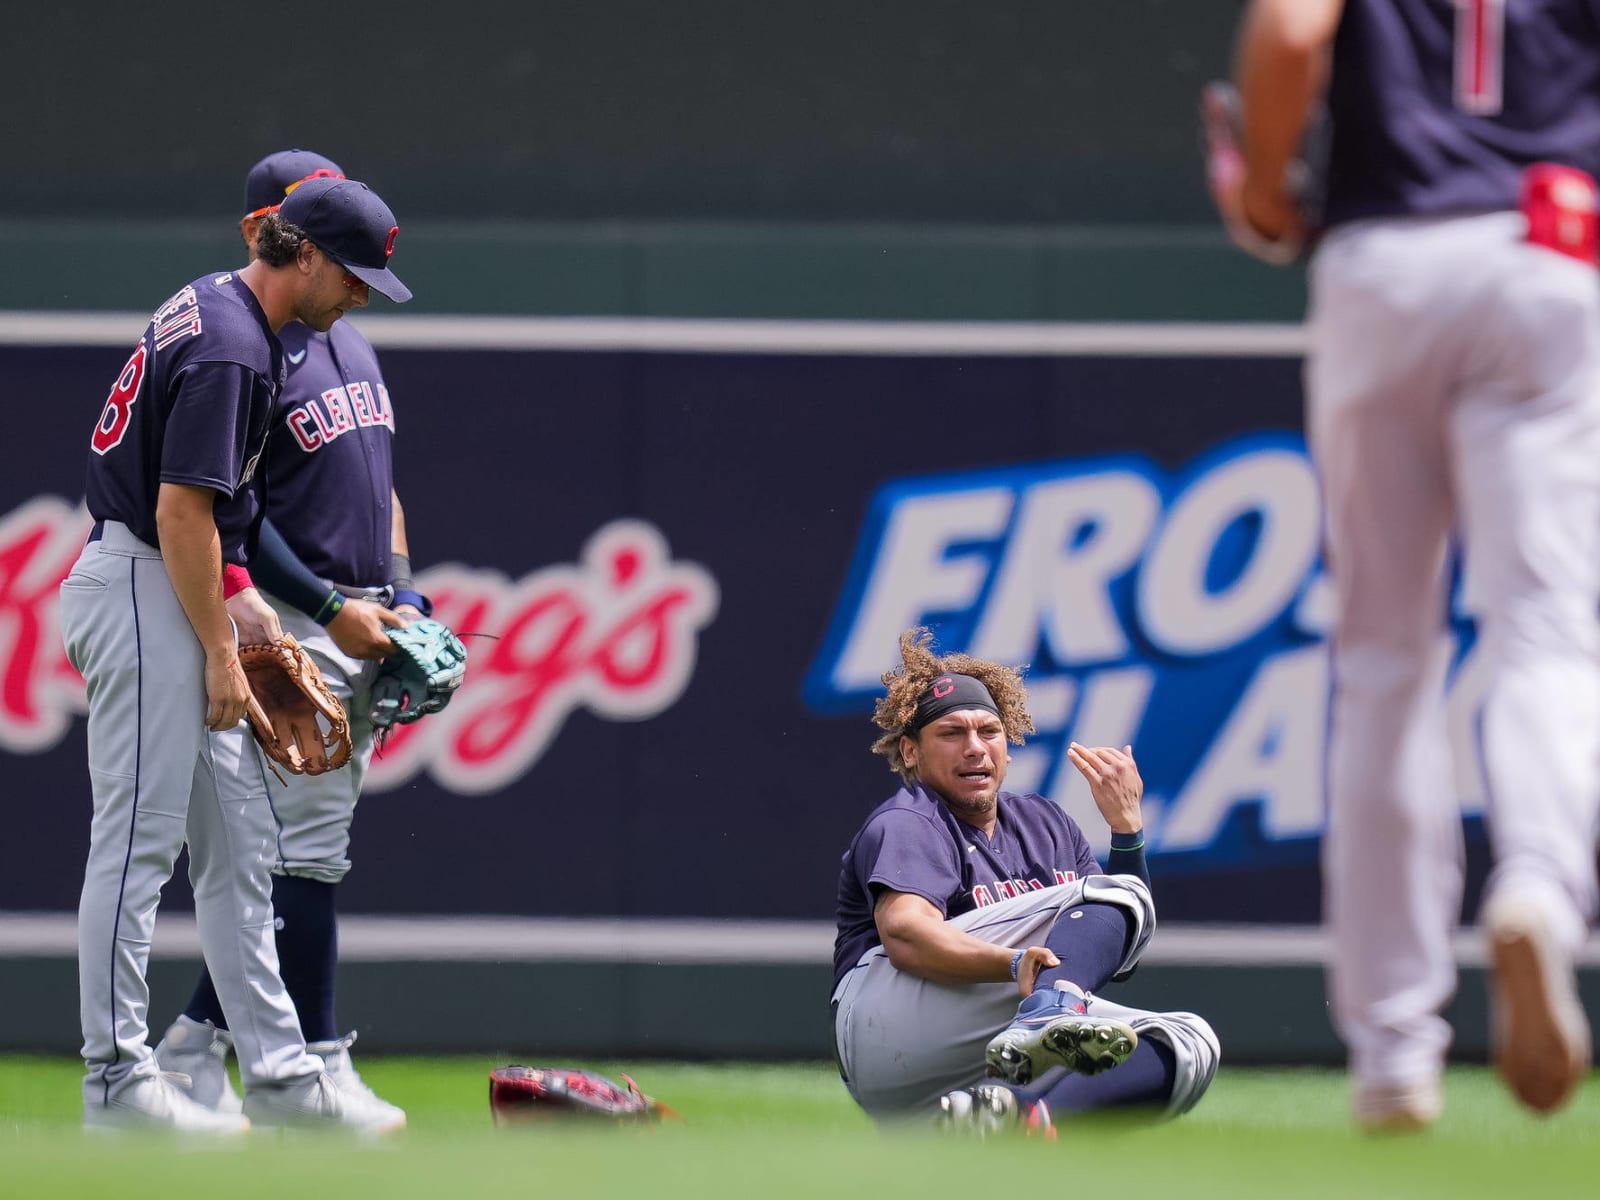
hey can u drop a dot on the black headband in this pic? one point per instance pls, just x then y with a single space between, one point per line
948 693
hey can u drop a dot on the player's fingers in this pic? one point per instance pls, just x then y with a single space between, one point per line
1081 760
228 714
392 619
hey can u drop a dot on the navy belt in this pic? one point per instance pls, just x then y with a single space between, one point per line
97 532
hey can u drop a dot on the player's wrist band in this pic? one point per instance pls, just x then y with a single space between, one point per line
235 579
1128 841
415 599
1016 961
330 608
400 572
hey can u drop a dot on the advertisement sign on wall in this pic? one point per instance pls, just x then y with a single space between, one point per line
688 569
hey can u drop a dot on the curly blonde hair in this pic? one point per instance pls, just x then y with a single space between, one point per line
920 666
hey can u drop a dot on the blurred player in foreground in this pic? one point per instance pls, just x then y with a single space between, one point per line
957 898
331 515
1453 384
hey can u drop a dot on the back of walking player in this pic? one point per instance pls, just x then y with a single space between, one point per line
1453 384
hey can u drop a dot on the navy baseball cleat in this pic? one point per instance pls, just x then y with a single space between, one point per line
1054 1029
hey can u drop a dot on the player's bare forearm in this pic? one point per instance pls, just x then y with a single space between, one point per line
400 547
398 543
920 942
1280 69
192 552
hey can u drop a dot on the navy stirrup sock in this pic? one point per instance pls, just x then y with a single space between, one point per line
308 951
308 954
1090 941
1146 1079
204 1005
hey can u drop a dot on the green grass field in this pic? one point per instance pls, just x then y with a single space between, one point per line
785 1131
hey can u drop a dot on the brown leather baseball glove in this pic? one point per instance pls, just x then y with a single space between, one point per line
289 702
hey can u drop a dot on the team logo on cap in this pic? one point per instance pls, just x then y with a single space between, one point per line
388 247
319 173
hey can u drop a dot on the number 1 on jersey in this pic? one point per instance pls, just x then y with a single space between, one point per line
1480 54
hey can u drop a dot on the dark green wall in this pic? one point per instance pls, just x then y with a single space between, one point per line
899 159
882 272
986 111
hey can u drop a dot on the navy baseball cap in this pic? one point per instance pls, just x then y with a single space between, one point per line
351 224
276 175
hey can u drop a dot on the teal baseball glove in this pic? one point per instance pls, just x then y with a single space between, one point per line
427 666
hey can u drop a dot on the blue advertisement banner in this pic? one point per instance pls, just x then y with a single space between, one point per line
693 567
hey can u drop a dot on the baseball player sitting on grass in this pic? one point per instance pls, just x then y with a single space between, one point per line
331 515
957 898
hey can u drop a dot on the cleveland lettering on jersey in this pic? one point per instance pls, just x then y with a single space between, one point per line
355 405
335 424
1009 889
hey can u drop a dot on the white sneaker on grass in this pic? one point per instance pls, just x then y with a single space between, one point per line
155 1103
199 1050
317 1103
335 1056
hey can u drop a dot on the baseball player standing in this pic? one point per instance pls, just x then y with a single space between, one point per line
331 516
174 488
956 896
1453 384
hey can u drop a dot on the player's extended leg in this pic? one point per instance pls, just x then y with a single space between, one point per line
1377 383
1528 439
127 634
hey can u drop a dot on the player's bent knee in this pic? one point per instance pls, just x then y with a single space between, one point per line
1196 1053
1130 894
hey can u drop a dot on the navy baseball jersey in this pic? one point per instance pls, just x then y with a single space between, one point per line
1437 105
913 843
329 459
193 405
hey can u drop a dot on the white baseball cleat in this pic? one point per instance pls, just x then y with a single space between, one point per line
199 1051
993 1108
335 1056
317 1103
1540 1033
153 1103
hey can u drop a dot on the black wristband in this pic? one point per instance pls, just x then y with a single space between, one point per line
400 573
330 608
